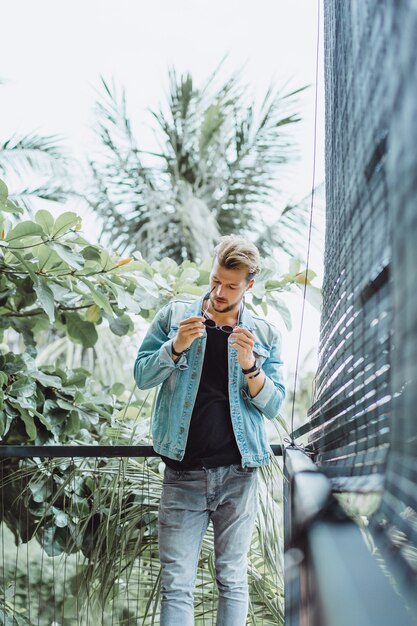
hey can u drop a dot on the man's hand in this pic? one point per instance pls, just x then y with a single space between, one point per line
243 341
189 330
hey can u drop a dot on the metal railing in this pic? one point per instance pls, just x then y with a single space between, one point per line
332 579
84 521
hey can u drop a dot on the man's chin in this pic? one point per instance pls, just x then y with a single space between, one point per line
222 307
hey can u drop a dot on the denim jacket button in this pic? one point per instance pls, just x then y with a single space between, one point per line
187 403
182 429
193 375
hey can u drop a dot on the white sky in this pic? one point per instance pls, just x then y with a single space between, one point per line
53 53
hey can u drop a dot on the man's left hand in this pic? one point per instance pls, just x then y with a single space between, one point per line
243 341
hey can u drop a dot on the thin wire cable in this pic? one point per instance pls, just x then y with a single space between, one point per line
310 223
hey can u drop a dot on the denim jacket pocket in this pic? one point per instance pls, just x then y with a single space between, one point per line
261 351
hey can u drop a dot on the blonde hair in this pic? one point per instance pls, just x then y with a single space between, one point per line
233 252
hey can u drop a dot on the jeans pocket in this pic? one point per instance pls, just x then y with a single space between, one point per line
172 476
242 471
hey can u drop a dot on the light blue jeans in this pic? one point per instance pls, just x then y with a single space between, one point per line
228 496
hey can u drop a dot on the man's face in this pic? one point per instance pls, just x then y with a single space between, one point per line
228 287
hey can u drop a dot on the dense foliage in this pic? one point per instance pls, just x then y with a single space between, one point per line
52 277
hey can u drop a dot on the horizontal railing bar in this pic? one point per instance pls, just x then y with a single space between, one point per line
311 489
64 451
350 586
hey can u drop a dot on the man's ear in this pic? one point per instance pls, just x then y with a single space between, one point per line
250 284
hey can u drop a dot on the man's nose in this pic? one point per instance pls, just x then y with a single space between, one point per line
219 290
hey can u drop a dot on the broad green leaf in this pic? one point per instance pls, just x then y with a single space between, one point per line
120 325
45 298
80 331
93 313
107 262
90 253
273 284
3 379
5 203
64 222
74 259
26 264
47 257
283 310
72 425
60 518
99 298
189 275
196 290
29 425
23 387
305 275
45 220
48 380
168 267
130 413
43 420
22 230
118 389
126 301
314 296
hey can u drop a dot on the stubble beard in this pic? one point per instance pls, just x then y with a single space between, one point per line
227 308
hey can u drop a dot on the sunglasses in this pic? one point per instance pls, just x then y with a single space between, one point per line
209 323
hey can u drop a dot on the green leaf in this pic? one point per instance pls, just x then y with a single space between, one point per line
23 387
45 220
282 309
47 257
45 298
29 424
60 518
90 253
48 380
314 296
64 222
93 313
22 230
26 265
118 389
68 255
80 331
196 290
72 425
5 203
99 298
3 379
120 325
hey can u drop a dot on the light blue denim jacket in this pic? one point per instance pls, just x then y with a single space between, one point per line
180 380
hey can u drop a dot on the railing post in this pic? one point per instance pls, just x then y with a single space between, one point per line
331 578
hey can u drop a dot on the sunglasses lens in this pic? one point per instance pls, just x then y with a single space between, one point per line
210 323
227 329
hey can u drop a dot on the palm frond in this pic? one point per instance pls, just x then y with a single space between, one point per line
215 168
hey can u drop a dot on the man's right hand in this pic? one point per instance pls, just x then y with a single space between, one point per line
189 330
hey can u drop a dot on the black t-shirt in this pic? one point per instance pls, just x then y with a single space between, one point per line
211 441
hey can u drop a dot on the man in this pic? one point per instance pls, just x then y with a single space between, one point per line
220 370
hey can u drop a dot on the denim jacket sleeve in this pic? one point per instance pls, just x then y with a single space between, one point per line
270 398
154 361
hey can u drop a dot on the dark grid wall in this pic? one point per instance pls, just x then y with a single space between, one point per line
363 423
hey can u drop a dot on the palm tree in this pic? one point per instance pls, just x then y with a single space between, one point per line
35 168
217 165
